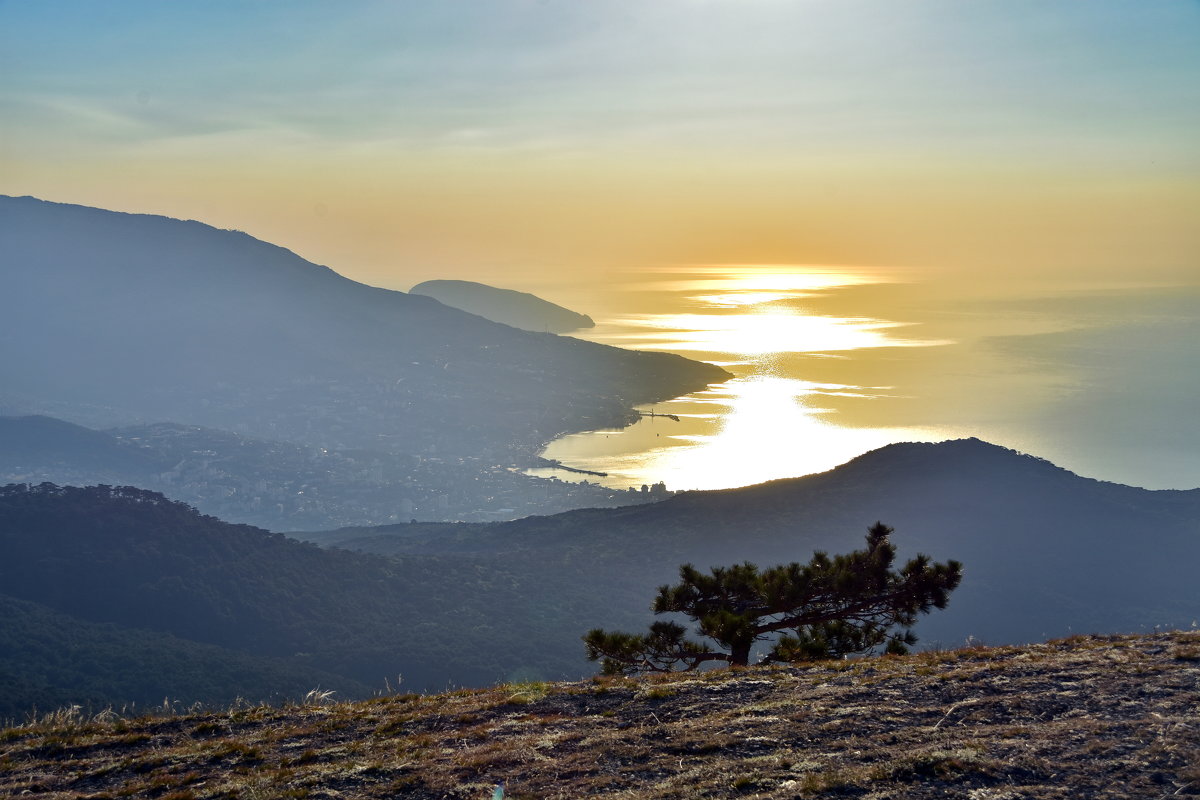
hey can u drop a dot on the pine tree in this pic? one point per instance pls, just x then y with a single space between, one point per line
827 608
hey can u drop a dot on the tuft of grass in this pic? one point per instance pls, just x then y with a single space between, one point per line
828 780
939 764
1186 653
236 749
148 764
392 727
318 696
745 783
207 728
656 693
525 693
132 739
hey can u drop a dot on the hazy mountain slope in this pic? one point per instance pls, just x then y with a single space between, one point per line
113 317
1046 552
518 309
40 443
50 660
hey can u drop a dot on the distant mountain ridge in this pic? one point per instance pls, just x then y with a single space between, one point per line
518 309
110 318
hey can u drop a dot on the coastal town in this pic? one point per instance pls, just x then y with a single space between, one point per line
286 486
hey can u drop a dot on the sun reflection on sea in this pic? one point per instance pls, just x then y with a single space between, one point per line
762 424
785 279
759 331
742 432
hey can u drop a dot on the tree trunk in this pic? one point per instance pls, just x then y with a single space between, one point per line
739 654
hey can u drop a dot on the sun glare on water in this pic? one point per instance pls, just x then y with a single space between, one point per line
784 280
759 331
767 428
762 424
745 311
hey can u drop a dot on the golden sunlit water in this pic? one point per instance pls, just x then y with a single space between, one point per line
745 431
768 421
757 329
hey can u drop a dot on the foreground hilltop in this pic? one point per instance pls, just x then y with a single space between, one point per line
1082 717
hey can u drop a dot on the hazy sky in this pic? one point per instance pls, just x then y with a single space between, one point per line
400 141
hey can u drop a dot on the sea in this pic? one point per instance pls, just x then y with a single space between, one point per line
1100 376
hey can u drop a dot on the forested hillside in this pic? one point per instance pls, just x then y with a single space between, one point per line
49 660
135 559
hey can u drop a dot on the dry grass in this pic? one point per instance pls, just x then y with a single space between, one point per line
1081 717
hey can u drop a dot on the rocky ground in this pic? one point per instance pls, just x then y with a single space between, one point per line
1086 717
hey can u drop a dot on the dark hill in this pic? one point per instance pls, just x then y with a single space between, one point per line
518 309
135 559
1046 552
108 318
49 660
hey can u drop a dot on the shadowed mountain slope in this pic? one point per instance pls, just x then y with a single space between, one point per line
518 309
108 318
135 559
50 660
1045 552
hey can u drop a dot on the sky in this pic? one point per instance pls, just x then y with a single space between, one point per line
524 143
1018 179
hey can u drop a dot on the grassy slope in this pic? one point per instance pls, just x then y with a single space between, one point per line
1084 717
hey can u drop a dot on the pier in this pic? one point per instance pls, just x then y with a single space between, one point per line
555 464
655 414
